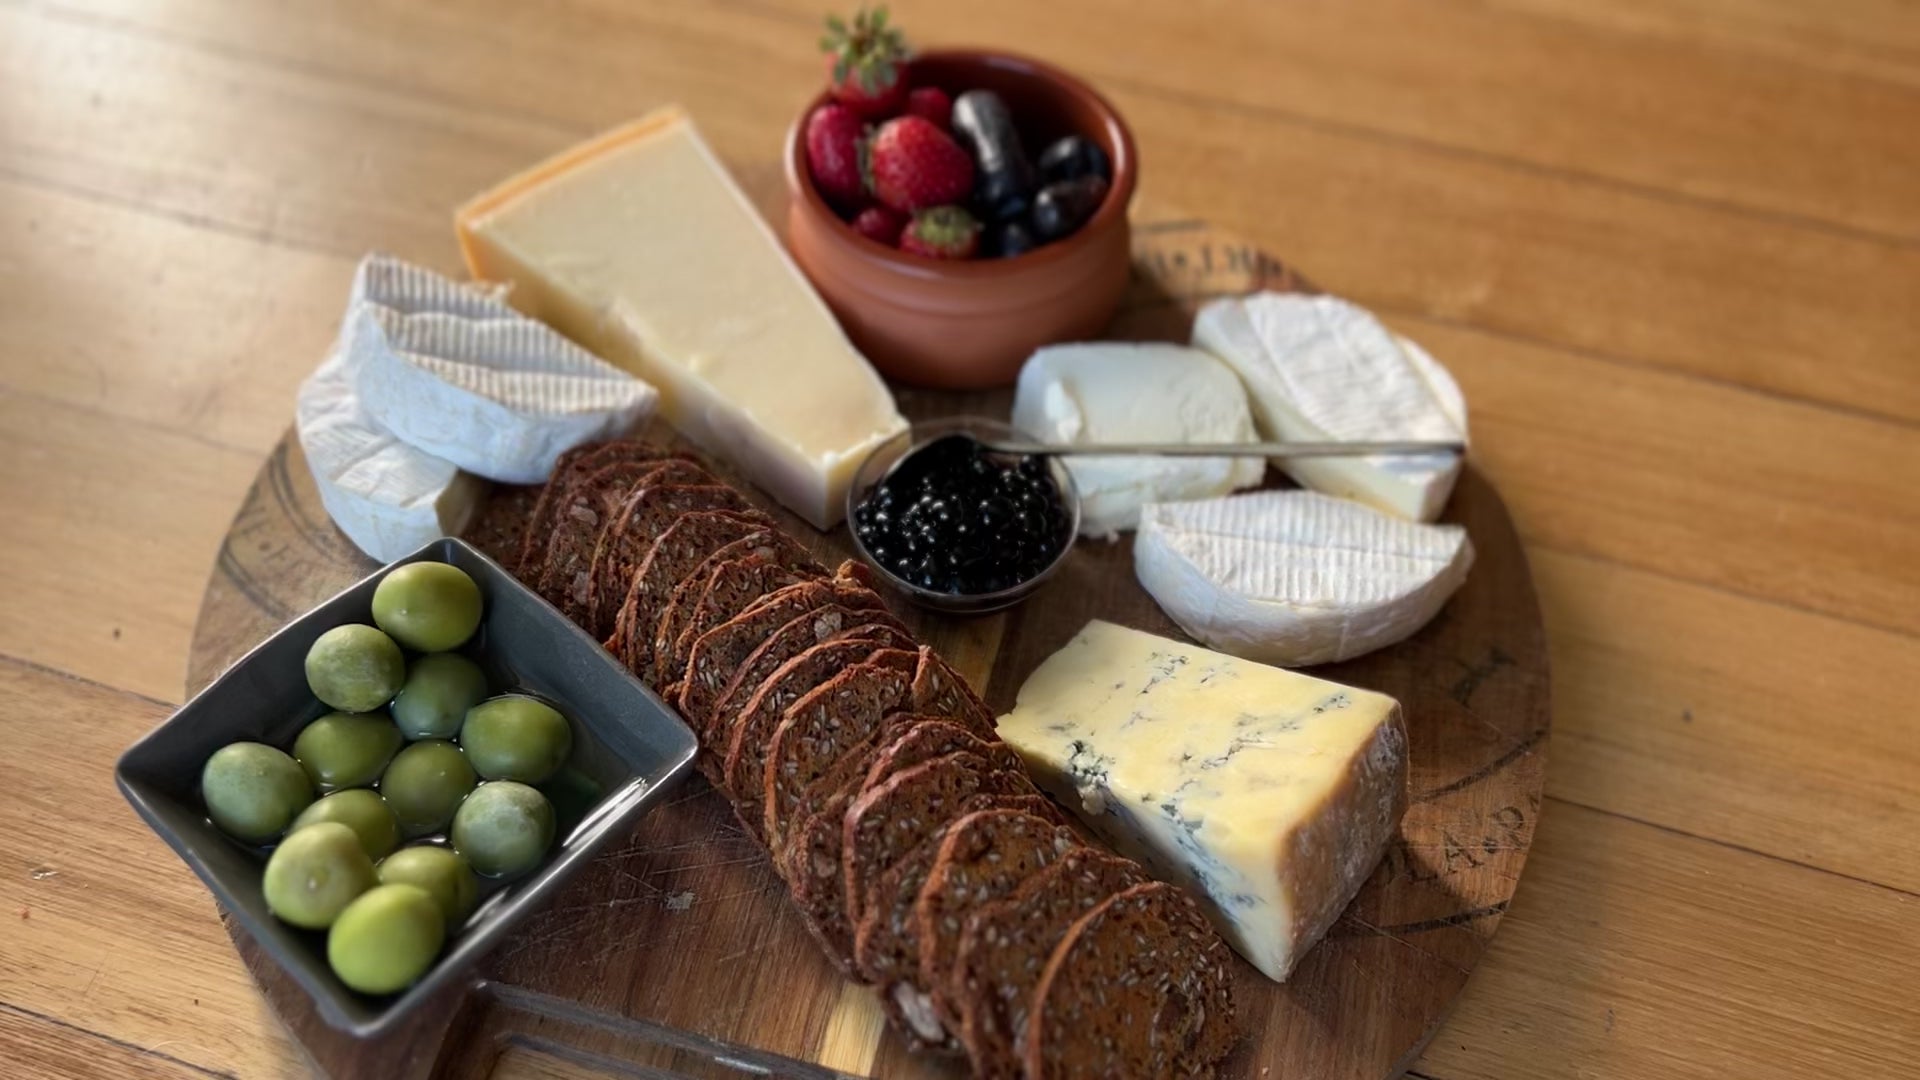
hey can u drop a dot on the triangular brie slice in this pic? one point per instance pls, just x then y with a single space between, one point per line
1296 577
388 497
1318 368
455 372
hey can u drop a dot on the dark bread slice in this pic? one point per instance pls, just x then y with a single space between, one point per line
734 586
886 942
722 653
888 820
566 468
1139 986
673 474
809 855
882 635
770 545
744 777
500 525
643 516
1004 945
983 857
787 642
930 738
809 862
811 738
811 867
907 739
677 551
937 688
569 470
879 684
577 520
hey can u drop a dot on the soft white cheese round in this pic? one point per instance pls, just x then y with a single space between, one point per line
460 375
1111 392
1319 368
390 498
1295 577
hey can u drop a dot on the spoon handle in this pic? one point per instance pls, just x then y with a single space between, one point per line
1260 449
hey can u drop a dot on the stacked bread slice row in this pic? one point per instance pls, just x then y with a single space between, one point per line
917 851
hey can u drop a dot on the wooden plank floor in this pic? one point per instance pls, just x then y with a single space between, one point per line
1671 247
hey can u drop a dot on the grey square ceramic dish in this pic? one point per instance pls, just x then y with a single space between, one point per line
627 742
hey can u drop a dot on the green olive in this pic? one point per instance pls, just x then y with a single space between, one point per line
427 606
315 873
386 939
361 810
344 750
514 737
504 828
425 784
253 791
442 871
439 690
355 668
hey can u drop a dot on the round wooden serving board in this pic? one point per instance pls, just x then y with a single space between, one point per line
677 953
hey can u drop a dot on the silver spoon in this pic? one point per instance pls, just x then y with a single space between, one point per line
1259 449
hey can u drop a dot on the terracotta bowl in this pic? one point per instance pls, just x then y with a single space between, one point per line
970 324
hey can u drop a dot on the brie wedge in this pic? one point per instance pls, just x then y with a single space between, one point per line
388 497
1296 577
1321 369
638 245
1108 392
459 374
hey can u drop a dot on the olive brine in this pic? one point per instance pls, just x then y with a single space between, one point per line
414 752
953 517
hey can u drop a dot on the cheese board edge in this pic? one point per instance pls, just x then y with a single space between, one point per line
282 554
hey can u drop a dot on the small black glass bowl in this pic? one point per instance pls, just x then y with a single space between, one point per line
882 459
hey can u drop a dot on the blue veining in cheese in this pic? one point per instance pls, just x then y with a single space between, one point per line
1270 794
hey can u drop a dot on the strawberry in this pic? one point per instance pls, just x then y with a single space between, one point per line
833 155
932 103
881 225
911 165
866 64
944 232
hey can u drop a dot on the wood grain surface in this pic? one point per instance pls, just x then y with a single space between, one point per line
679 947
1667 246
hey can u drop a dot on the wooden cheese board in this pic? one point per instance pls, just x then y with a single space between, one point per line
677 953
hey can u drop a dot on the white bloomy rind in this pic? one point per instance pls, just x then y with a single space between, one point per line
1111 392
387 496
1295 577
1270 795
452 370
1318 368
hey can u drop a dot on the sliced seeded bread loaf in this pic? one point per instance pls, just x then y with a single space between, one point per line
1140 986
983 857
886 942
670 560
774 550
1003 947
885 672
646 513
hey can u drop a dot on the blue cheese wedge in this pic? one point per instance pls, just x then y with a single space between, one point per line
1151 392
1269 794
